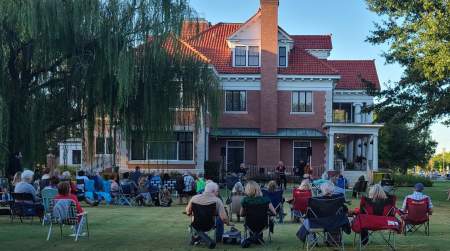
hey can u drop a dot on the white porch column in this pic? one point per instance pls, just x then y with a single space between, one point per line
358 115
359 146
331 151
375 153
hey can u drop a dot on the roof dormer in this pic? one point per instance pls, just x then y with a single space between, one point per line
245 43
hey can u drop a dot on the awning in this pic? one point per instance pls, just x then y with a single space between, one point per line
302 133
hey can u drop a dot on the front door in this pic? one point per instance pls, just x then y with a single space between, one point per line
235 155
302 151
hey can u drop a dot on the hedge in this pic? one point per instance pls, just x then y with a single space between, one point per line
411 180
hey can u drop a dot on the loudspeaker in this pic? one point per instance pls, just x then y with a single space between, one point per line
223 151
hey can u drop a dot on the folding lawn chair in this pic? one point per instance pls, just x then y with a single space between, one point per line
105 194
257 219
417 215
23 206
277 200
125 195
374 220
203 221
299 203
47 195
89 189
64 212
325 219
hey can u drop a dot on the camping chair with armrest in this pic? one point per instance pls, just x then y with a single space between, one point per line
203 221
80 189
326 219
47 194
64 212
105 194
417 215
89 190
376 220
277 200
257 219
299 203
23 206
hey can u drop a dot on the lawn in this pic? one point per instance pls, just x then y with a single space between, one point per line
152 228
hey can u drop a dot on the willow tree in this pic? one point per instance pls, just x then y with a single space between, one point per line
63 64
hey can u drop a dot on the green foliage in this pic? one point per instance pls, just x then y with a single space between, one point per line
403 147
65 64
417 32
72 169
438 161
411 180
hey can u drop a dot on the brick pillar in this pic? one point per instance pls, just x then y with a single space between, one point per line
269 66
268 152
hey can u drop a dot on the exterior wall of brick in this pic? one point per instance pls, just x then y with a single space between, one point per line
251 152
288 120
250 119
269 66
268 152
162 166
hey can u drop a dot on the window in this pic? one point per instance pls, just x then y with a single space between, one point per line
282 56
179 147
240 56
76 157
253 56
302 151
103 145
235 101
302 102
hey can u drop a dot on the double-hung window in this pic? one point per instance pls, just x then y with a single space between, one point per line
282 56
240 56
302 101
253 56
180 146
235 101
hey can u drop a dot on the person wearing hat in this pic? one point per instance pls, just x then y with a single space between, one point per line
418 195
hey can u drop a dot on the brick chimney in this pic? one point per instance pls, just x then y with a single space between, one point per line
193 27
269 66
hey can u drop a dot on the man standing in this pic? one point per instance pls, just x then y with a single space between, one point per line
281 175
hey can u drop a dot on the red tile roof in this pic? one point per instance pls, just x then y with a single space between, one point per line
211 45
353 72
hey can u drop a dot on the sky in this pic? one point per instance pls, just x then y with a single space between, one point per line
349 22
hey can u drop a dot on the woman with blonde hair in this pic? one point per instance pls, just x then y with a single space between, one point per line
254 197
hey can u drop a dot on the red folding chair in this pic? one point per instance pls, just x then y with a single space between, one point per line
374 219
417 215
299 203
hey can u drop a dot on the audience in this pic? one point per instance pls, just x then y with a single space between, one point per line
208 197
136 175
359 186
114 185
237 194
24 186
16 180
200 183
165 199
64 194
126 181
143 196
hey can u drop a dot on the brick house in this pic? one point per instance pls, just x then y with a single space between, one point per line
283 100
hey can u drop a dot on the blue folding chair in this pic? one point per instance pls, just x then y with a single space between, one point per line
106 193
89 189
276 198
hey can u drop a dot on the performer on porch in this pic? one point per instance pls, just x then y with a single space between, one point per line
280 171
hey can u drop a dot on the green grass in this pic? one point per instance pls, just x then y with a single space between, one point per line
152 228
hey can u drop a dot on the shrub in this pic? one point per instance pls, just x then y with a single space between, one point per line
71 169
411 180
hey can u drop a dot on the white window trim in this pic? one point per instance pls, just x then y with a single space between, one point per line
236 112
246 56
227 147
287 57
156 161
293 150
303 113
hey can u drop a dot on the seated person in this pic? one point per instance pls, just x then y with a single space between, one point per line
254 197
359 186
66 176
387 183
276 197
24 186
300 197
115 185
208 197
200 183
53 183
327 207
165 199
237 194
64 194
379 203
418 195
143 196
126 181
81 176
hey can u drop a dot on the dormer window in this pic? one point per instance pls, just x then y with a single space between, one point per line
282 56
246 56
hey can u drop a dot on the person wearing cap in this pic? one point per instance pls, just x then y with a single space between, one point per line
417 195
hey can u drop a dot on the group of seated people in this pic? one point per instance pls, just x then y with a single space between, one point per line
328 209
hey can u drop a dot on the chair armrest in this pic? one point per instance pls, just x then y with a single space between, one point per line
82 214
